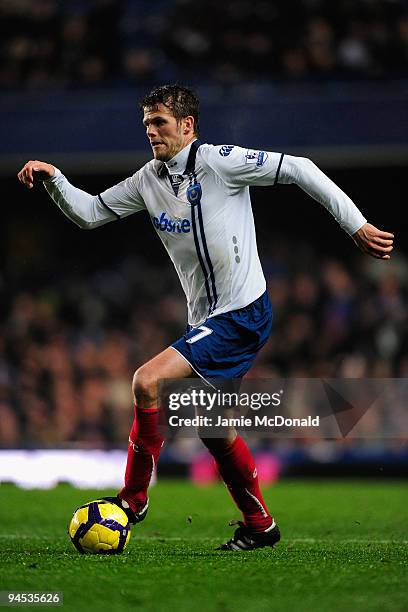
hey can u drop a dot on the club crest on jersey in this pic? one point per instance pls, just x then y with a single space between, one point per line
194 194
256 157
172 226
225 150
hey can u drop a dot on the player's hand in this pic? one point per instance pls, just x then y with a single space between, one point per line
373 241
35 170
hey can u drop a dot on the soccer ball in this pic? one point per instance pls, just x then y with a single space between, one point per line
99 527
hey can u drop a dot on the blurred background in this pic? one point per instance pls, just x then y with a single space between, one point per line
80 311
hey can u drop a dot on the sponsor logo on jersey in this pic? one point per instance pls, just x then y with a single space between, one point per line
256 157
173 226
225 150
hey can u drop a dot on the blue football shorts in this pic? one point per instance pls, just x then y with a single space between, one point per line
225 346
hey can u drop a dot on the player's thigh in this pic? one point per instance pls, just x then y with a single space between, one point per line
167 364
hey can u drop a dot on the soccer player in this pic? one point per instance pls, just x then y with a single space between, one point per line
197 196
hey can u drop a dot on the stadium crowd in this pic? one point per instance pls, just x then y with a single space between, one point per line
103 43
68 349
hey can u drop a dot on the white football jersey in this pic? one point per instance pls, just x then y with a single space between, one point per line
201 210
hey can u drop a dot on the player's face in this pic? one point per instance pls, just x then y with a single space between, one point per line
166 135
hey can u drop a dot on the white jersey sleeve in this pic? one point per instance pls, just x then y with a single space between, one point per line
238 167
91 211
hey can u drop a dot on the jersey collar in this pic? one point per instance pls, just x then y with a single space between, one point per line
179 163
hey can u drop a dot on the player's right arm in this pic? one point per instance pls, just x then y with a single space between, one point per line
86 210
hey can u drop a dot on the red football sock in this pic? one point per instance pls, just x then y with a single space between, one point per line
237 468
143 453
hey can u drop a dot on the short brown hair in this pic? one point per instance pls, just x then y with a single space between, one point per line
182 102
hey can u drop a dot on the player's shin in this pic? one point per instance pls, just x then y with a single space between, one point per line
237 468
143 453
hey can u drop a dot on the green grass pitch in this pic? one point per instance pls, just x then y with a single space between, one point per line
344 547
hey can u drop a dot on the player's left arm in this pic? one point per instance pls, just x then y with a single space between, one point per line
238 168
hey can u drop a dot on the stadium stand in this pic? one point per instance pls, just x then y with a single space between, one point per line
71 338
99 43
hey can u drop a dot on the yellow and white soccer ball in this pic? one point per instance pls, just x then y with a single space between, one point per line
99 527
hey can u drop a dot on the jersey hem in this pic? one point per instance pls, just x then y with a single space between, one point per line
229 308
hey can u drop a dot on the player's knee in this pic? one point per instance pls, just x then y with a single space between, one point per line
144 385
